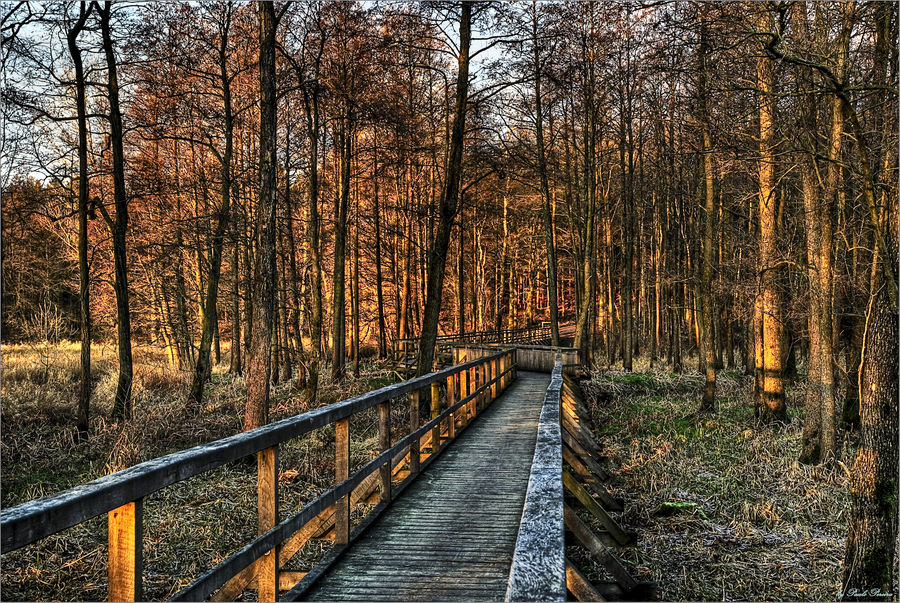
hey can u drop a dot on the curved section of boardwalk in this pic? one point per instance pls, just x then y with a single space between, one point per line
451 536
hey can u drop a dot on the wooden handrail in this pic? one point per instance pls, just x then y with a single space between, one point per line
538 570
120 494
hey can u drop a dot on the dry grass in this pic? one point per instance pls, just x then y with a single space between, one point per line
188 527
763 527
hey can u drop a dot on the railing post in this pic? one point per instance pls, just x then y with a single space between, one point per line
414 425
451 400
479 381
464 393
267 518
341 473
435 411
126 552
495 373
384 442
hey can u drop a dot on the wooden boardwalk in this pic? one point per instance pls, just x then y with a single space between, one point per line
452 534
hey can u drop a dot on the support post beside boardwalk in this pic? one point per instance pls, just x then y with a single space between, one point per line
125 552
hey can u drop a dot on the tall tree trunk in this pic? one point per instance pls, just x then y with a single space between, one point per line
311 106
256 408
295 275
235 367
449 199
84 276
545 185
339 328
707 308
354 292
211 315
869 564
772 344
379 279
122 407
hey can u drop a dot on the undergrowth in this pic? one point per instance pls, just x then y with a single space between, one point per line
723 509
188 527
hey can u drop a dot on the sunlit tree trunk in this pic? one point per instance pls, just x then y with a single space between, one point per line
379 279
256 409
771 354
339 328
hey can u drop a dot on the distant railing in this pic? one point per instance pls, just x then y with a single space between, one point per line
406 350
538 570
469 387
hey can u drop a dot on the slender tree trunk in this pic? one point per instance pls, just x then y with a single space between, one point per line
354 293
311 104
705 298
84 276
256 409
235 368
211 316
122 407
379 279
545 185
449 200
772 344
339 328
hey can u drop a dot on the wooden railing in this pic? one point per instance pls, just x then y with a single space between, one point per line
406 350
469 387
538 570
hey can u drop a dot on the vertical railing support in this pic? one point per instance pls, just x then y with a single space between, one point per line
267 518
384 442
435 411
495 373
451 400
126 552
341 473
414 457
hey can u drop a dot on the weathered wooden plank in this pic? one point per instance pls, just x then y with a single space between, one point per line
126 552
585 498
341 473
585 455
610 503
435 411
538 570
580 586
267 519
415 448
599 550
287 580
384 443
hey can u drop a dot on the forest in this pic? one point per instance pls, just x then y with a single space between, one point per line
216 215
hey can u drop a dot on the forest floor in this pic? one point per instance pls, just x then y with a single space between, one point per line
748 521
763 527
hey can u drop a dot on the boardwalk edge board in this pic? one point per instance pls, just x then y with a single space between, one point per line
538 570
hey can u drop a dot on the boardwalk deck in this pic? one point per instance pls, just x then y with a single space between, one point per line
452 534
